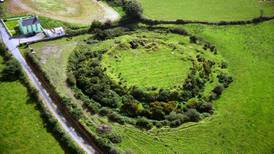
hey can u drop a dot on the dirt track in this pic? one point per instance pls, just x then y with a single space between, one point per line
102 12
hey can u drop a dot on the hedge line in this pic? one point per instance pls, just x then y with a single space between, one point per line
255 20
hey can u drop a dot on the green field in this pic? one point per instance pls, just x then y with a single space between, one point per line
206 10
22 129
243 120
161 67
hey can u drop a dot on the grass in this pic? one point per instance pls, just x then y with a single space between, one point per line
81 12
206 10
53 56
13 26
22 129
162 67
243 119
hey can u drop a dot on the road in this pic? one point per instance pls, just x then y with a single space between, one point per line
12 44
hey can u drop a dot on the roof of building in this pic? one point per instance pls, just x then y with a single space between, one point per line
30 21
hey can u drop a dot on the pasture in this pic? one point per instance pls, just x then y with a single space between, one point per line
243 118
206 10
81 12
22 129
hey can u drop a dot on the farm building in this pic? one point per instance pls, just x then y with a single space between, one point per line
31 25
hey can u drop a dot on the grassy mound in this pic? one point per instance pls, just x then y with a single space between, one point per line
207 10
155 64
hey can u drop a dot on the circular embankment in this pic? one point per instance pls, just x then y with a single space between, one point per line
166 78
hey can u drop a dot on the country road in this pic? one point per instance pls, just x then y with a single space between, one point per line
12 44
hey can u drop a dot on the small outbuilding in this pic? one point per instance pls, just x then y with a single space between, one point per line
30 25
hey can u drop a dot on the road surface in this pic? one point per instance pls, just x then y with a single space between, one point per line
12 44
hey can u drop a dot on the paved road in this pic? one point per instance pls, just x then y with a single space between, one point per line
12 46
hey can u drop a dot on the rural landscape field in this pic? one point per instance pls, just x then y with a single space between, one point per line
137 76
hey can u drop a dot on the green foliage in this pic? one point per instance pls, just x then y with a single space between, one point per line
97 81
12 71
144 123
193 115
133 9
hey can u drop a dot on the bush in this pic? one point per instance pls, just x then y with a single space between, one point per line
133 9
193 39
193 115
104 111
71 79
205 107
144 123
116 118
12 70
95 24
178 31
218 90
114 138
225 80
175 123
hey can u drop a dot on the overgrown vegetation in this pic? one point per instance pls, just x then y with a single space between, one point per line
156 103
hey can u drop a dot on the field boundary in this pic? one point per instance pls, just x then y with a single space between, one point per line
218 23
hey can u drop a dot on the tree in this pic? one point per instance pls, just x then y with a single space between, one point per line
130 108
133 9
12 71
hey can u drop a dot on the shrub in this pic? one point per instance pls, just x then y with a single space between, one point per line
144 123
95 24
114 138
115 117
104 111
193 115
133 9
130 108
175 123
193 39
225 80
12 71
218 90
205 107
71 79
178 31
